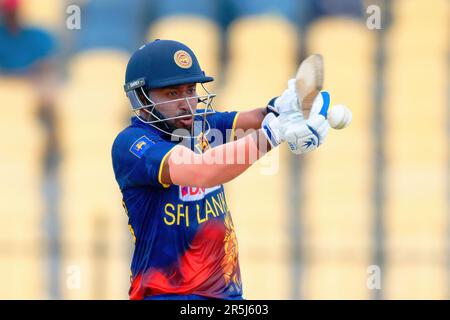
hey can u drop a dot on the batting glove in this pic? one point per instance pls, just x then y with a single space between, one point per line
287 102
301 136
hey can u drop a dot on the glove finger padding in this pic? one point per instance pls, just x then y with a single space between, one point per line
291 84
272 128
298 135
291 117
301 140
302 136
319 125
287 102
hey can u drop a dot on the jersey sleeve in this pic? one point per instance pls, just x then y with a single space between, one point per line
226 123
138 161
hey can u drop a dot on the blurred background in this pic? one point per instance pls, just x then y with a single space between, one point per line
365 217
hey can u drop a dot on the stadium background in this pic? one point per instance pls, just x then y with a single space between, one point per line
376 194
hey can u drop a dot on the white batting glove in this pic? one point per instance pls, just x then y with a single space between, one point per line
302 136
288 101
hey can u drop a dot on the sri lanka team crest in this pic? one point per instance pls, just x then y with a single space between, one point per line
182 59
202 143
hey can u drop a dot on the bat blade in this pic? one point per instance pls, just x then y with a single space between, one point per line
309 82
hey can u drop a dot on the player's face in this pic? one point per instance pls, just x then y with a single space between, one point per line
186 105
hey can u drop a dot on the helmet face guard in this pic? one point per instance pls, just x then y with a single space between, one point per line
157 120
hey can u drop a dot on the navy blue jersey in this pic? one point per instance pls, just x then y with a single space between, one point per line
185 241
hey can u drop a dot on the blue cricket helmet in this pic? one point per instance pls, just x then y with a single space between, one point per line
163 63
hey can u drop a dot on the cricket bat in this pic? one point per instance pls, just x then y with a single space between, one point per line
309 82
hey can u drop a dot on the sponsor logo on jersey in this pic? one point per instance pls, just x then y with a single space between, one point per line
194 193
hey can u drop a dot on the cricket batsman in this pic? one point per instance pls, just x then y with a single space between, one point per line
171 163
